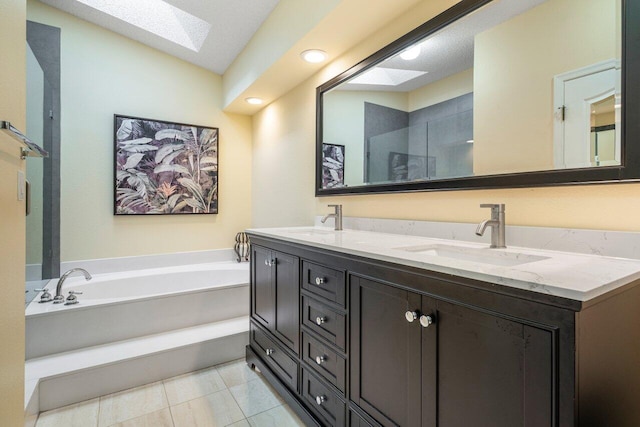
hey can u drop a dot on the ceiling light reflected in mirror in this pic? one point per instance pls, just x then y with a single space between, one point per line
411 53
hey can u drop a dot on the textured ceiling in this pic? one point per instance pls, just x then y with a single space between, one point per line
233 23
449 51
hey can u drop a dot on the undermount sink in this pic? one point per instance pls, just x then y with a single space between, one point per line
478 255
311 232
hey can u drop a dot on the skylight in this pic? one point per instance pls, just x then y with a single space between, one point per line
159 18
386 76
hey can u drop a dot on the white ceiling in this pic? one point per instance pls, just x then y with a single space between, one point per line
450 50
233 23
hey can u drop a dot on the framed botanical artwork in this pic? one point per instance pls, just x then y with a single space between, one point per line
332 165
164 167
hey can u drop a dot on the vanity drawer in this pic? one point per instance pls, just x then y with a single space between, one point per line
323 400
324 281
275 357
325 321
324 360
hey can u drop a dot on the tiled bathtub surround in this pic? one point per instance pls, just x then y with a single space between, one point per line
226 395
595 242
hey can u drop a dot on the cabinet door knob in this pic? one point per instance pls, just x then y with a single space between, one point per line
321 359
269 351
319 280
411 316
426 321
266 262
320 320
320 400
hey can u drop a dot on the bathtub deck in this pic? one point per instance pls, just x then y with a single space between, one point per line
65 378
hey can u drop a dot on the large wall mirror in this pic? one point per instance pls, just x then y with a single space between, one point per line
489 94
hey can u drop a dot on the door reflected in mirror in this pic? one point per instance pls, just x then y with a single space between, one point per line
514 86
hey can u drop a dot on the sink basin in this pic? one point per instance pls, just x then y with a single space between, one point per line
311 232
481 256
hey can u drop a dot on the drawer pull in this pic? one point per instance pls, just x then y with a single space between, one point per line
269 351
320 280
426 321
320 400
320 320
321 359
411 316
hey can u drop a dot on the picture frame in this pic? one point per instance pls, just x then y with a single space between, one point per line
333 159
164 168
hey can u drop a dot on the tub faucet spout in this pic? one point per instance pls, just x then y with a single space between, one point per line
59 298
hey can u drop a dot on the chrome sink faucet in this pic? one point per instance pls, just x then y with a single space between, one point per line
337 215
496 223
72 299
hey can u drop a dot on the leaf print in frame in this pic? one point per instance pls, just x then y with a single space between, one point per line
164 168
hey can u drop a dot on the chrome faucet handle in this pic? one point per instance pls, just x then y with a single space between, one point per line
46 295
72 298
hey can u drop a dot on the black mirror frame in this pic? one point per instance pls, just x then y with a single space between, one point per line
629 171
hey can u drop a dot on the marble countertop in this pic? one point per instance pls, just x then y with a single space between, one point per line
570 275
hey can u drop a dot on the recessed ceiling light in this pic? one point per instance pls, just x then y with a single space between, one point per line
254 101
411 53
314 55
157 17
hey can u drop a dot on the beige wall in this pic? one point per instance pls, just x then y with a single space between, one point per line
515 63
283 165
610 207
103 74
12 250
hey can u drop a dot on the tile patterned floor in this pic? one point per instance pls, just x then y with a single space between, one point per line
225 395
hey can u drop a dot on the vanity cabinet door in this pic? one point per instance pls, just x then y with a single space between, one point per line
275 294
287 300
453 365
385 351
262 287
486 370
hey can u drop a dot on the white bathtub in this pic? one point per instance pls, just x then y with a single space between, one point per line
119 306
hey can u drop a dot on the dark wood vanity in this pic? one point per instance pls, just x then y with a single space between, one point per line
351 341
